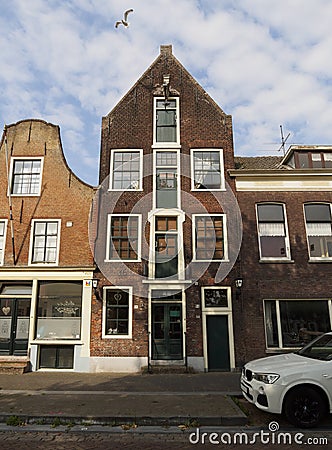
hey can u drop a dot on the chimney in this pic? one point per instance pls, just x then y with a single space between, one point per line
166 50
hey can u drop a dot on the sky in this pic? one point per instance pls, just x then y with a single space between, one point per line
265 62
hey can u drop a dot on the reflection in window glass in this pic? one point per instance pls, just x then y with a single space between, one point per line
319 230
299 321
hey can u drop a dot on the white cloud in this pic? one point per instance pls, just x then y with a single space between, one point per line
264 62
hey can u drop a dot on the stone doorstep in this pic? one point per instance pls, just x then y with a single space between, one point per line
14 364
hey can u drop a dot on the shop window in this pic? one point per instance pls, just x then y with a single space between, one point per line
293 323
59 310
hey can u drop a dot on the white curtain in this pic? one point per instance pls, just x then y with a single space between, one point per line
271 229
319 229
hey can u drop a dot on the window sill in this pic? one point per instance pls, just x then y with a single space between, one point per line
166 145
116 336
276 261
223 189
68 341
322 260
122 260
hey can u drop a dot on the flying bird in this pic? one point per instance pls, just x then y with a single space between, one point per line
124 21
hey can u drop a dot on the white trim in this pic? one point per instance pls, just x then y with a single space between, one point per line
166 144
218 311
224 219
287 257
139 238
48 264
128 289
126 150
10 181
222 170
2 257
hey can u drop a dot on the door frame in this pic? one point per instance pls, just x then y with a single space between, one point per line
169 287
218 311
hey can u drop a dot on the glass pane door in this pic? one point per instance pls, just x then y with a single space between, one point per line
167 331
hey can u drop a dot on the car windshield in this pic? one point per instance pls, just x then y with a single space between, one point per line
320 348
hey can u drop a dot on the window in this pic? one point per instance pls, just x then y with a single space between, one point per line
166 246
209 238
26 176
117 312
59 310
215 297
3 226
293 323
319 230
207 169
166 179
56 357
312 160
166 121
126 170
272 232
45 242
124 240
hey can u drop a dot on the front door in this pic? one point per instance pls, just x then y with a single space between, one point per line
14 326
218 343
167 331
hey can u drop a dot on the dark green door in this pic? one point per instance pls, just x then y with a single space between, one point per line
166 331
14 326
217 343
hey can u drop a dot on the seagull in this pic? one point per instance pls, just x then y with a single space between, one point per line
124 21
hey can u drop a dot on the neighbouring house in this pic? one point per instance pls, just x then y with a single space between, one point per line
286 254
46 266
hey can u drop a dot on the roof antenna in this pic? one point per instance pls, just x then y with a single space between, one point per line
283 140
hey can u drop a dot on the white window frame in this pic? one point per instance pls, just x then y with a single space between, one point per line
287 256
11 175
224 220
139 239
222 170
32 236
178 175
2 254
129 289
316 258
170 145
126 150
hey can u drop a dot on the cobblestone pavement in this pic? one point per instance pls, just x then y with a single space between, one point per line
190 439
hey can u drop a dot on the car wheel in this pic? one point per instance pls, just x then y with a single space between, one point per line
304 407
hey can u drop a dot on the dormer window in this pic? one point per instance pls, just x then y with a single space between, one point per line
311 160
166 130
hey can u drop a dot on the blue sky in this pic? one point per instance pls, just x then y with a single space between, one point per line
265 62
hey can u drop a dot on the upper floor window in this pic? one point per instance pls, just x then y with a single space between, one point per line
210 237
311 160
3 225
319 230
26 176
166 129
123 237
272 231
207 169
166 163
126 170
45 241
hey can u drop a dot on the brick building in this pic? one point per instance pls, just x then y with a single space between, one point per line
46 266
286 250
166 229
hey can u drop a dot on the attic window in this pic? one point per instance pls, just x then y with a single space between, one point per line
311 160
166 130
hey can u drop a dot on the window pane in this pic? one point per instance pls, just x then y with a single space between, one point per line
26 176
215 298
270 213
301 321
117 312
317 213
207 172
272 246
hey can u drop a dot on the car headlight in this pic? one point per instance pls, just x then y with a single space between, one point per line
267 378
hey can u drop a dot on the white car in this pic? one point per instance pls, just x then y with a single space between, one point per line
298 384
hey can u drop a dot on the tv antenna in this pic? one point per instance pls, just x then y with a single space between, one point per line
283 140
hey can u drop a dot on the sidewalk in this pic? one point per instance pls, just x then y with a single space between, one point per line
115 399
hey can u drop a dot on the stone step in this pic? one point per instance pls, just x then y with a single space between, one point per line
159 369
14 364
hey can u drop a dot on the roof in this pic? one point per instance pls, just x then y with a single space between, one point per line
258 162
